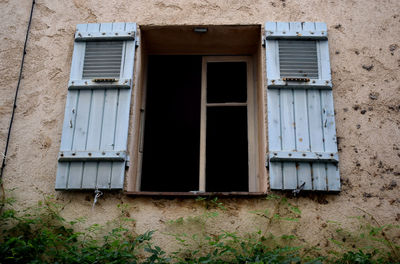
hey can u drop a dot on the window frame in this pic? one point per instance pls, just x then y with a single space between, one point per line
152 42
251 117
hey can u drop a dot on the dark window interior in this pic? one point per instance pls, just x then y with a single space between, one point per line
172 127
226 82
226 149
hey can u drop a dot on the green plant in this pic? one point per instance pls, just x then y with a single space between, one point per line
41 235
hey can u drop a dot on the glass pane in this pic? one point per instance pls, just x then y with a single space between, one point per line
226 82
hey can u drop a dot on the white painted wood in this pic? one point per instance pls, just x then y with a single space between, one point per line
288 137
316 137
96 118
329 129
302 136
80 137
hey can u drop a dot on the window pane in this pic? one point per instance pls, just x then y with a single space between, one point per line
226 82
226 149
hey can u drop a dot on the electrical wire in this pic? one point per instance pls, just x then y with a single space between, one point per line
3 165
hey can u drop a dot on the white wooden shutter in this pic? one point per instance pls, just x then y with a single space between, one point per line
301 120
93 150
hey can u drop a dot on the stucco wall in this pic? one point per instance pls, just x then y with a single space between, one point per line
367 103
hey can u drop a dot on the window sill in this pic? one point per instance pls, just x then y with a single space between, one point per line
192 194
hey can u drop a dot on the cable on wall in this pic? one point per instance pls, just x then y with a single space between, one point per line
3 165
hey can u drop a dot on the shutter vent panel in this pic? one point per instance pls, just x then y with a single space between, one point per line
298 58
102 59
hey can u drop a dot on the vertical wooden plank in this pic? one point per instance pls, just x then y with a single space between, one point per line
288 137
75 175
80 136
316 138
94 133
252 134
275 176
295 27
270 26
274 136
62 175
274 108
203 126
124 99
308 26
108 135
272 56
117 175
323 51
302 137
328 125
282 26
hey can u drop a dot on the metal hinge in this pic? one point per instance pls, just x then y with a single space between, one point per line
128 161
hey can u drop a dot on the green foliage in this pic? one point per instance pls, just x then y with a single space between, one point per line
40 235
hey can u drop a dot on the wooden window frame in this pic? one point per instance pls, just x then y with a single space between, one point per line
251 117
152 42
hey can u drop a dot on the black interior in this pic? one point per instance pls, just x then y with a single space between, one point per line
172 126
226 82
226 149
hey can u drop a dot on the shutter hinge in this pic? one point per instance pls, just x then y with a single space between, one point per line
127 161
137 43
263 40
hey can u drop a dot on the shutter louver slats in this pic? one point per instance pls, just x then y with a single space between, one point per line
301 120
96 117
102 59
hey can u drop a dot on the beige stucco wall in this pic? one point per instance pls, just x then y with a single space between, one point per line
361 33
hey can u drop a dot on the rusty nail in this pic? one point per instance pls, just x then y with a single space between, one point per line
103 153
312 32
297 33
103 33
90 154
326 82
273 81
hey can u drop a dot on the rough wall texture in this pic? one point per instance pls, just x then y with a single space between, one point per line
365 61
